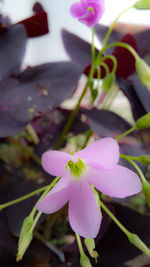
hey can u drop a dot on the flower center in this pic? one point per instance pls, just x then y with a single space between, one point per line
92 9
77 168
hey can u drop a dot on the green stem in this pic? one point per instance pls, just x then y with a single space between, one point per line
124 45
133 238
120 225
105 67
125 133
113 60
33 134
88 135
79 244
93 47
71 119
112 26
5 205
48 188
113 96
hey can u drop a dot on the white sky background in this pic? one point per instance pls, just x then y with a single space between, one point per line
50 47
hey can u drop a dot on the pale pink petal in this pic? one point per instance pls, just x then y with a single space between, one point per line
77 10
84 214
102 154
84 3
56 198
54 162
119 182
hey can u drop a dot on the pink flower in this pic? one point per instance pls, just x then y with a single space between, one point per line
96 165
88 12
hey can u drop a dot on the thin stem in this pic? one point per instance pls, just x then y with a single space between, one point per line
79 244
125 133
120 225
49 187
113 96
93 47
71 119
88 135
33 134
105 67
113 60
112 26
133 238
5 205
128 47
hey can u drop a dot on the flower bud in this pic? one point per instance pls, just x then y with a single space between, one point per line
90 244
143 71
108 82
23 244
25 237
143 122
146 191
142 4
144 159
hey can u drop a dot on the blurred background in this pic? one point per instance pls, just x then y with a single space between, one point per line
49 47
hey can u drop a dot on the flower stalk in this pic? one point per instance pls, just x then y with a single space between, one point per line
133 238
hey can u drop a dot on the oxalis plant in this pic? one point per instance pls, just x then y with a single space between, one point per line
99 171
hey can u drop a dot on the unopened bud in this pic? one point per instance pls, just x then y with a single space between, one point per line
142 4
146 191
143 71
25 237
108 82
143 122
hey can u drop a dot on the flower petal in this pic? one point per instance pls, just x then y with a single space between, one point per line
102 154
56 198
84 214
54 162
77 10
89 18
119 182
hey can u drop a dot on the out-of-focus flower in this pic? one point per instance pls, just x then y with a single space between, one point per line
96 165
88 12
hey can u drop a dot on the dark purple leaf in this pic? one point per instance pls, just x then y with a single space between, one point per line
143 41
141 91
106 123
50 127
12 49
128 89
36 25
125 60
37 8
78 49
39 89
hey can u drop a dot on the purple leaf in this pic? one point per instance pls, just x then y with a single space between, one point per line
143 41
12 49
78 49
138 108
106 123
39 89
36 25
